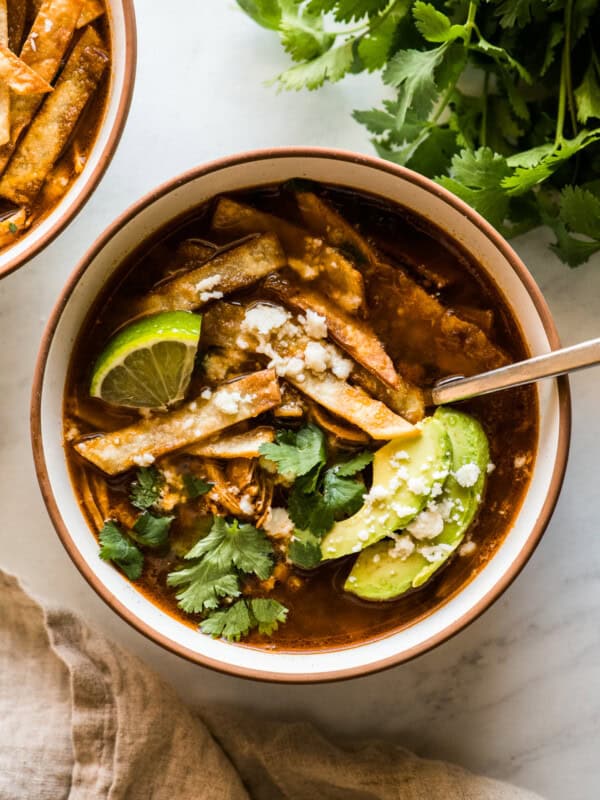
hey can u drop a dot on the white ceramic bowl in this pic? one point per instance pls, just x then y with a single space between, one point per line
122 76
176 198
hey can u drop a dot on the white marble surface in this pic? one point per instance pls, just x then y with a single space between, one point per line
517 695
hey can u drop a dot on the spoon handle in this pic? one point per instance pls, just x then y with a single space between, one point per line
568 359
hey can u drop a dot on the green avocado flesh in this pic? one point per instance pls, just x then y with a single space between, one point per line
377 575
419 464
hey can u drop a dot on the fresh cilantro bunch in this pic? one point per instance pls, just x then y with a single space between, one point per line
318 496
217 564
497 100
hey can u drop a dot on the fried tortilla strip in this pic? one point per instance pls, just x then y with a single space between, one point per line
43 51
239 445
354 336
56 183
226 272
140 444
422 330
92 9
13 225
47 135
310 257
322 219
408 401
17 13
15 73
354 405
339 430
4 93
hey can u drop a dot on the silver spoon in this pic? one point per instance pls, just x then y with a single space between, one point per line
568 359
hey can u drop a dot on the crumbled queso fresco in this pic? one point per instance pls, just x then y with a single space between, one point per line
205 286
229 401
282 338
467 475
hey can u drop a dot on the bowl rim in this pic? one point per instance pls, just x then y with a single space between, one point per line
93 179
564 421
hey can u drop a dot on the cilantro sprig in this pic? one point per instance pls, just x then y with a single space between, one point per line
523 148
239 619
118 548
218 562
318 496
145 489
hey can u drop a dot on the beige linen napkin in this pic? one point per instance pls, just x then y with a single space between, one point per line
84 720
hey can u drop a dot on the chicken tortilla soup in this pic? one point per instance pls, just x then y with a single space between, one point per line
247 428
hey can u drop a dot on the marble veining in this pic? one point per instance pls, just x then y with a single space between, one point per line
516 695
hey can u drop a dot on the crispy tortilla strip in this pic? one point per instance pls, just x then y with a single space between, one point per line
239 445
222 324
43 51
12 226
15 74
142 443
338 429
310 257
354 336
56 183
92 9
354 405
423 331
323 220
226 272
4 93
17 13
408 401
50 130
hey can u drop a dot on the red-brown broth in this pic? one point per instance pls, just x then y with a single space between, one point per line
321 615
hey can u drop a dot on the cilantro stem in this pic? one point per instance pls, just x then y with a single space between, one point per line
484 111
566 87
469 25
567 63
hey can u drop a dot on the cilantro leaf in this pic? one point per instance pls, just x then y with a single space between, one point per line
145 490
230 545
412 73
476 177
305 549
151 531
348 10
587 94
343 496
204 584
580 211
116 547
310 511
266 12
435 26
267 614
331 65
231 623
347 468
296 453
375 46
239 619
194 486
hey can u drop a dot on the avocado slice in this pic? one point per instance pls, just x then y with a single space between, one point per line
404 476
377 575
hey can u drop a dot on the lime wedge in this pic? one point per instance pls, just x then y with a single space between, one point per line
149 363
